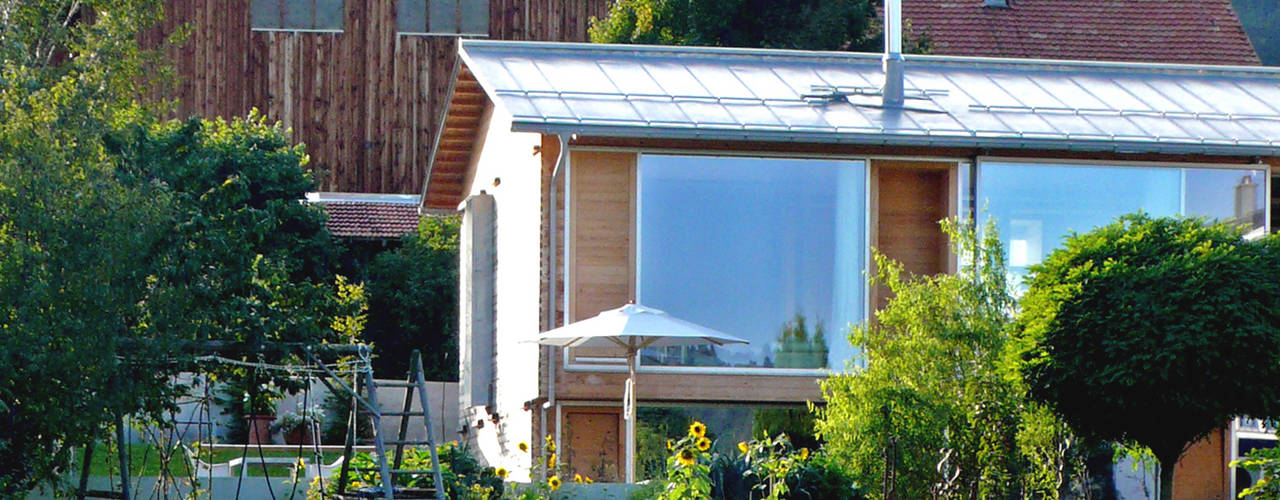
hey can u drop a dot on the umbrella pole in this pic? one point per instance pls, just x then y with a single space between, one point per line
631 417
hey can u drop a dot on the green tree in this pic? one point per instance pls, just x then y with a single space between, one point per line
73 239
413 301
1154 331
934 410
786 24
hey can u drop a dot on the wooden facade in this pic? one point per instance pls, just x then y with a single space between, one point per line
365 101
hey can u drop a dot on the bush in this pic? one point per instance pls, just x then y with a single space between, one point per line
463 476
413 302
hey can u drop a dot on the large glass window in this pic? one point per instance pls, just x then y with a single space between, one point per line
1036 205
297 14
449 17
726 427
770 250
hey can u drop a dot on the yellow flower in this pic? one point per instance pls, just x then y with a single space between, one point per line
671 445
551 460
697 429
587 479
686 457
742 446
577 478
704 444
804 453
523 446
553 482
551 444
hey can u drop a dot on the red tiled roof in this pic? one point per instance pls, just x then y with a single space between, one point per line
1166 31
365 219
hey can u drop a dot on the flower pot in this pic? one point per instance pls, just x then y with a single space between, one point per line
298 435
259 427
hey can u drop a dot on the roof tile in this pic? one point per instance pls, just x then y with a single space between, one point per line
362 219
1168 31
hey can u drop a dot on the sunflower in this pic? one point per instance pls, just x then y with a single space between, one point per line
553 482
671 445
577 478
804 453
587 479
697 429
551 460
551 444
687 457
704 444
742 446
501 472
523 446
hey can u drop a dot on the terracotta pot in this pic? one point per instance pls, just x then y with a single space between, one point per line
299 435
259 428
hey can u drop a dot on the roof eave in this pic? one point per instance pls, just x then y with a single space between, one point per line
914 140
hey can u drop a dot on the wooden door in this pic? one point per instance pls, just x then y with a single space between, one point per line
911 197
593 443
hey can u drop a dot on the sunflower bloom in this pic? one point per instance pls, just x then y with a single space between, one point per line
551 460
704 444
742 446
553 482
804 453
577 478
524 447
686 457
697 429
587 479
671 445
551 443
501 472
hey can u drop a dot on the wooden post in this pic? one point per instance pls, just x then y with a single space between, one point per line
124 459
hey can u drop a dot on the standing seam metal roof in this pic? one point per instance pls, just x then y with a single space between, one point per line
719 93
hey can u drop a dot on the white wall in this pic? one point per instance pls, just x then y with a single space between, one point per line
509 156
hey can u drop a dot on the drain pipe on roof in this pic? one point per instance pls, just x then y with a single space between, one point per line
562 161
893 61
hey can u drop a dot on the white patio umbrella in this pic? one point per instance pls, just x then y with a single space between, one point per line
634 327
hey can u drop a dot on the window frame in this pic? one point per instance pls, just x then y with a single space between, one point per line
429 33
618 365
342 29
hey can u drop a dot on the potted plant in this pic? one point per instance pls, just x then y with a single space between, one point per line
299 426
252 408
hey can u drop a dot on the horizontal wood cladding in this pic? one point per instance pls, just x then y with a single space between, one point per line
365 101
673 387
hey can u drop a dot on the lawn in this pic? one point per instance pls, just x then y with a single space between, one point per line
144 460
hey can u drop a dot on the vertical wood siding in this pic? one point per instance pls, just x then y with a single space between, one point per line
365 101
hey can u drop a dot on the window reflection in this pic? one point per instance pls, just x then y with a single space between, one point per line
1037 205
771 250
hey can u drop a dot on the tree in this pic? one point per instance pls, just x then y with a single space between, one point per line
787 24
1156 331
73 238
934 408
413 301
929 399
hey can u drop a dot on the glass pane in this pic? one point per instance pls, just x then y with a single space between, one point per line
328 14
411 16
1036 206
267 13
443 16
298 14
475 17
725 426
770 250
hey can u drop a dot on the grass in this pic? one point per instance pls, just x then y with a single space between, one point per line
144 460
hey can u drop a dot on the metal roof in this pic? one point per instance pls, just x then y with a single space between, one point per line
777 95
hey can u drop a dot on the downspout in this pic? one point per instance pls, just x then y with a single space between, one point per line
562 159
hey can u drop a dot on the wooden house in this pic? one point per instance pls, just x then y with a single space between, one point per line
744 189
